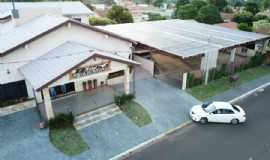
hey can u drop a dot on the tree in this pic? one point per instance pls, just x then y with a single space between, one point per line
181 2
252 7
245 27
209 14
243 17
266 4
219 3
158 3
198 4
228 9
187 11
120 14
97 21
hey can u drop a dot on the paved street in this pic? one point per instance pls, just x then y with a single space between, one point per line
249 141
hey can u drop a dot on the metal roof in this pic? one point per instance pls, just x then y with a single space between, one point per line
20 34
67 7
183 38
51 66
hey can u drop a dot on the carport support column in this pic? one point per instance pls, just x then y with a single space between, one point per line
232 56
265 45
126 81
48 103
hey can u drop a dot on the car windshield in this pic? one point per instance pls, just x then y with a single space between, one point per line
207 107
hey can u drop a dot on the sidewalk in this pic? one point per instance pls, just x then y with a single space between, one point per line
241 90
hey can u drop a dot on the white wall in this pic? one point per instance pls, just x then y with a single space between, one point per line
209 60
50 41
145 64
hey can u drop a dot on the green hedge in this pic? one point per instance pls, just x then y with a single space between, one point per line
61 121
123 99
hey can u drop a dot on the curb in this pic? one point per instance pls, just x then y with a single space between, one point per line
148 143
249 93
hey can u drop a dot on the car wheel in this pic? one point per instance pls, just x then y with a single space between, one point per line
235 121
203 120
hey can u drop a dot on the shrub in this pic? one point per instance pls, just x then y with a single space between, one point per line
61 121
256 60
245 27
96 21
123 99
243 17
156 17
193 81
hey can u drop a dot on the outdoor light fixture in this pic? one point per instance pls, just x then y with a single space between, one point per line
8 71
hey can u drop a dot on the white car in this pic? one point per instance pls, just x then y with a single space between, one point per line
220 112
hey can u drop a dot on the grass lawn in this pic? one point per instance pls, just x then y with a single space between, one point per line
136 113
202 92
68 140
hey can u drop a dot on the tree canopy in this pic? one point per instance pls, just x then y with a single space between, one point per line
198 4
220 4
120 14
252 7
187 11
266 4
209 14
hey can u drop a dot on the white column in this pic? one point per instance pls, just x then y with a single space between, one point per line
48 103
29 89
126 81
232 56
78 86
184 83
38 97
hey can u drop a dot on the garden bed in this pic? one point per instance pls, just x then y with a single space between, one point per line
136 113
203 92
64 136
133 110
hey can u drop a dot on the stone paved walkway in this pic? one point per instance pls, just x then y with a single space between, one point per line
238 91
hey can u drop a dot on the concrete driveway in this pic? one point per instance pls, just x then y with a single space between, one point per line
168 107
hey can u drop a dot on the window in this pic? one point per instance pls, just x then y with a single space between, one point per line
78 19
116 74
227 111
235 108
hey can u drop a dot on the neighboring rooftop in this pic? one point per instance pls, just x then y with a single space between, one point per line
67 7
53 65
182 37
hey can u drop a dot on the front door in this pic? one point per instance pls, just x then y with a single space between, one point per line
95 83
90 85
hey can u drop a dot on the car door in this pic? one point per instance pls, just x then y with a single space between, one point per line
216 116
228 115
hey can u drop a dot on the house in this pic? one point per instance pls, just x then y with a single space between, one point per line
178 46
71 9
51 56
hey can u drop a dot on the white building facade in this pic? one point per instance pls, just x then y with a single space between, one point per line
68 56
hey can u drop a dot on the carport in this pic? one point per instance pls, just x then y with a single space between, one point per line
188 41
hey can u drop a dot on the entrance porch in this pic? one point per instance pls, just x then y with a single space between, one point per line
81 102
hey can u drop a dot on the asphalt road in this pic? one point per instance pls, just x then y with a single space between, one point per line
248 141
